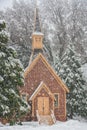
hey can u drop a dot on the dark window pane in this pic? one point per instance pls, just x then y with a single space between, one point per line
23 96
56 100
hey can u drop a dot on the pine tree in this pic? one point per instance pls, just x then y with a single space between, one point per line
68 68
11 76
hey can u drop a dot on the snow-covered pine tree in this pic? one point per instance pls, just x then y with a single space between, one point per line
11 76
68 68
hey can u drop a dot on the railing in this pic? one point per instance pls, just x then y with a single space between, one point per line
38 116
40 119
53 116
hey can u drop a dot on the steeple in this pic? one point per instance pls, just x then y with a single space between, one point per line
37 35
37 26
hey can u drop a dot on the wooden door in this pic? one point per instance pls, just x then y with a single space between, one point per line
46 105
43 105
40 105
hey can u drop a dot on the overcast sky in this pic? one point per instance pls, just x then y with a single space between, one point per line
5 3
8 3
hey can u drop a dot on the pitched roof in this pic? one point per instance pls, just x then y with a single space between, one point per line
41 85
58 79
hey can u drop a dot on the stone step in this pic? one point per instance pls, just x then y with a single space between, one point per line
46 119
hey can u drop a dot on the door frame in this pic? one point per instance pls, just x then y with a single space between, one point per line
38 93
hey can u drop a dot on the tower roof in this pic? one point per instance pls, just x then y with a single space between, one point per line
37 27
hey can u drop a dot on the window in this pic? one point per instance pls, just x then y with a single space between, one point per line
24 97
56 100
38 39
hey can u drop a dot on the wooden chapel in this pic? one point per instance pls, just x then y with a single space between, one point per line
43 89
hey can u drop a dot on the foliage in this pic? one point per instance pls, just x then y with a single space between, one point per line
67 22
11 76
20 24
68 68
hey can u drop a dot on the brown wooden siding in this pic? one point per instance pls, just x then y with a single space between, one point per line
41 73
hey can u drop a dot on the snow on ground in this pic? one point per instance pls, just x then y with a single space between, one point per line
68 125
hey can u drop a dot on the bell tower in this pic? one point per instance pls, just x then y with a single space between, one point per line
37 36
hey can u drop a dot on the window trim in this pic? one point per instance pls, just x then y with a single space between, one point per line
26 96
58 100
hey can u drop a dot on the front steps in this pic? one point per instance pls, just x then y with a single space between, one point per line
46 119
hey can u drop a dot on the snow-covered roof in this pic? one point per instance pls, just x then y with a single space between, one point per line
37 33
36 90
42 85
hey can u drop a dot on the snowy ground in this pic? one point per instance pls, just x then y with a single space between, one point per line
69 125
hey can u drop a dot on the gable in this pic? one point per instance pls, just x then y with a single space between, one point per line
49 68
41 86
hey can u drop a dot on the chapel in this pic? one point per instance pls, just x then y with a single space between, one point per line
43 89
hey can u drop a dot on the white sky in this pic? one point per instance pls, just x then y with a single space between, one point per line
5 3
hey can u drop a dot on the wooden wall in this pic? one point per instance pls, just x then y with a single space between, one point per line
40 73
